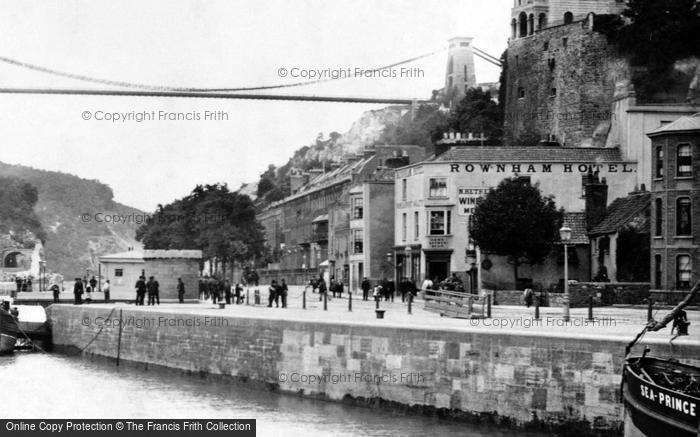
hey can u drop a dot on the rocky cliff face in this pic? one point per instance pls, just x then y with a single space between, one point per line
76 215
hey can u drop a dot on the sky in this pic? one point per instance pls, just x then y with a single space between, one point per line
211 44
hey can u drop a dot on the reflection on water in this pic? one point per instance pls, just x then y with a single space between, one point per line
45 386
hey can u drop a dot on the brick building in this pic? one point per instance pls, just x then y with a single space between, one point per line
123 270
675 258
334 221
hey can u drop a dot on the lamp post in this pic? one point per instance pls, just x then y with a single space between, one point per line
565 235
408 265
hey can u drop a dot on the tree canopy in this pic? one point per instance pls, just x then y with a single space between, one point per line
17 215
213 219
514 220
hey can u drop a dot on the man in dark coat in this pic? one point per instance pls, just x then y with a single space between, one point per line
366 286
78 291
227 292
56 290
321 288
93 284
272 296
284 290
180 290
151 287
140 290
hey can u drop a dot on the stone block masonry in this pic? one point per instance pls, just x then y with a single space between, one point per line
552 382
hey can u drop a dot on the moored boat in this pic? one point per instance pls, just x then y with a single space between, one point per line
9 331
661 395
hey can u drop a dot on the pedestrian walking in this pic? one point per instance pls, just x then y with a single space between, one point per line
78 291
527 297
366 286
180 290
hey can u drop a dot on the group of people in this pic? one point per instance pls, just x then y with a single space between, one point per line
23 284
386 289
150 288
277 292
83 286
220 291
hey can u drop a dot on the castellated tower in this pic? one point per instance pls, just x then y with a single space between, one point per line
460 74
528 16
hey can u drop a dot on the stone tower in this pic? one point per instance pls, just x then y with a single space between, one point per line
460 74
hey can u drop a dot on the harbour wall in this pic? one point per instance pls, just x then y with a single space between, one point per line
551 382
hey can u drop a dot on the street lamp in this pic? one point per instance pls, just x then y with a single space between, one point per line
565 235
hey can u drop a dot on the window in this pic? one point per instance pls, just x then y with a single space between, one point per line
522 25
357 209
545 47
521 92
659 162
659 212
118 273
403 226
438 187
683 217
358 240
553 92
416 225
657 272
568 18
684 160
683 272
542 21
565 42
440 222
404 189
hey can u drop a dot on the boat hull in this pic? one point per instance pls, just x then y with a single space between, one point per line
7 343
653 410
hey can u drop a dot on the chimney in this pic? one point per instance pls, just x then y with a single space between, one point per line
595 194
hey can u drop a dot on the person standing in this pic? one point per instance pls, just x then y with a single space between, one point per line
321 288
56 290
88 291
18 283
156 291
180 290
366 286
227 291
283 292
93 284
140 290
106 289
239 290
150 289
78 291
272 293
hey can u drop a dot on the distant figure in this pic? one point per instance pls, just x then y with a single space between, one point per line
140 290
227 292
93 284
680 323
106 290
56 290
427 284
272 296
283 293
180 290
29 284
78 291
332 285
88 291
239 290
527 297
18 282
322 289
339 288
152 288
366 286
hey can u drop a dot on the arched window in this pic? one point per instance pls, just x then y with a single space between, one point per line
514 28
542 21
522 24
450 65
530 24
659 213
683 272
568 18
683 217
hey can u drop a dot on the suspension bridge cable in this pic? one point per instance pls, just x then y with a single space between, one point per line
124 84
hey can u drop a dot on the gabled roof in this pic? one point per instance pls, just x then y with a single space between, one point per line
683 124
577 222
530 154
625 211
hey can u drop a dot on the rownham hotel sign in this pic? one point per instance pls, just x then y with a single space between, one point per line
542 168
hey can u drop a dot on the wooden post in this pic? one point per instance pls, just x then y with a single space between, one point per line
650 309
488 305
349 301
119 341
537 309
247 296
410 302
590 308
376 302
303 299
325 300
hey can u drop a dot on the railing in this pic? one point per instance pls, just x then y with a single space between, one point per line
455 304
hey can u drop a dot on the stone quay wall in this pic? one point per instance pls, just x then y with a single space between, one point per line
552 382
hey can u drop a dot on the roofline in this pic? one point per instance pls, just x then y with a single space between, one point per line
654 133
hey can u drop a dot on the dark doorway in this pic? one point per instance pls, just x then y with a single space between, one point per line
438 269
